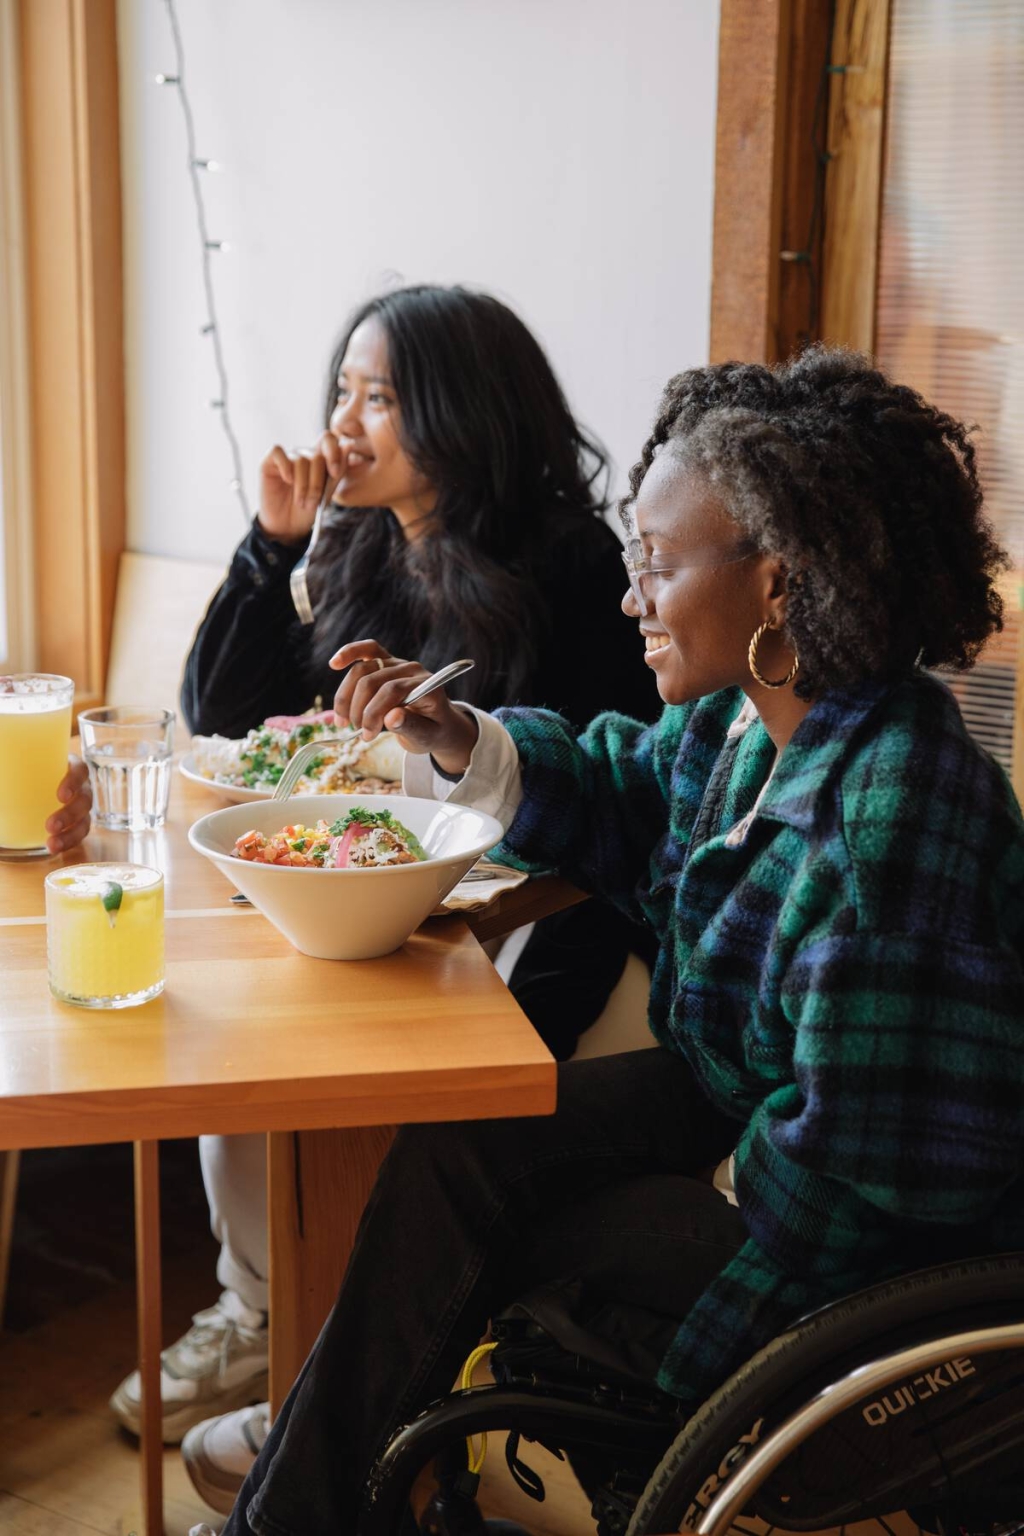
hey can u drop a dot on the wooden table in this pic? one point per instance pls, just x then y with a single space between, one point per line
250 1035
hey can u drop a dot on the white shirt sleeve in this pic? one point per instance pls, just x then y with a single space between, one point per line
492 782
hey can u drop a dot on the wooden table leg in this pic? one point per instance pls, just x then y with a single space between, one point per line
10 1163
319 1182
147 1273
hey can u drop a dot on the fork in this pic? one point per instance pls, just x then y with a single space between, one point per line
298 763
304 756
297 580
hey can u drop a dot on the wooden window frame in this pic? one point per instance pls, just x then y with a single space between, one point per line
71 187
771 57
14 370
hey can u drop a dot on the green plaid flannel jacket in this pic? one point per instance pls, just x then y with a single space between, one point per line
846 981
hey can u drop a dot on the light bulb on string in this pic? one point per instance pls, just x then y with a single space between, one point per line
209 326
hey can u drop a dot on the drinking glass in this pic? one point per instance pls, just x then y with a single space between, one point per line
35 733
128 750
105 934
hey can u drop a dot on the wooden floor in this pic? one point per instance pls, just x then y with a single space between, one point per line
66 1469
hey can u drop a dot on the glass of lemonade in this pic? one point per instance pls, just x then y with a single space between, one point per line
35 734
128 749
105 934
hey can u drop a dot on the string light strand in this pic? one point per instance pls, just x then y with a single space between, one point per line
211 328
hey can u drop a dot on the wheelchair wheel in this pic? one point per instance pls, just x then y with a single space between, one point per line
931 1441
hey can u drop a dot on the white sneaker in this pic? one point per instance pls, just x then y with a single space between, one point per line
220 1363
202 1530
219 1452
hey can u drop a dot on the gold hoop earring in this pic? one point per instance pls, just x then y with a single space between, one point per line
766 682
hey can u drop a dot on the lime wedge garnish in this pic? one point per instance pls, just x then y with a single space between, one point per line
110 896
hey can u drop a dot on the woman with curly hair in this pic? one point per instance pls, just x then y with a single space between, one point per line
834 870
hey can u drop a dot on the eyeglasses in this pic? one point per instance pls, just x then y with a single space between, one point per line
638 565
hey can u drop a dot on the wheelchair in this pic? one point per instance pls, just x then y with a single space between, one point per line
901 1406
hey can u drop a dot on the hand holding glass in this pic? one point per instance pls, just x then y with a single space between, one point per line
35 733
128 750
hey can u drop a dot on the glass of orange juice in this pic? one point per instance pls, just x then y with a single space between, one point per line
35 733
105 934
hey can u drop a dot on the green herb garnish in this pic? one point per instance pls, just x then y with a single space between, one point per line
367 818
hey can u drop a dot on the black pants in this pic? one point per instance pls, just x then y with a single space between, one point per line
464 1219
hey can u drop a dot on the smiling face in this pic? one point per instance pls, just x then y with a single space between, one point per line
366 420
700 618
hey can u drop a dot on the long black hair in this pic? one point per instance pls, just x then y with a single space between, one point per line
484 419
868 493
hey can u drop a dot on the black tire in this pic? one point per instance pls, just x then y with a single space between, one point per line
796 1365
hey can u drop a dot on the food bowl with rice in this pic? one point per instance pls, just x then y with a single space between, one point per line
345 877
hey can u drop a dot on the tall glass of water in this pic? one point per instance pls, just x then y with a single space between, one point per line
128 749
35 733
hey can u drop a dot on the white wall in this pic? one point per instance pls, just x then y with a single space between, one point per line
556 152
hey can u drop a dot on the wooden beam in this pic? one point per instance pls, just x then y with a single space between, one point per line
751 88
802 212
15 428
70 137
772 99
853 193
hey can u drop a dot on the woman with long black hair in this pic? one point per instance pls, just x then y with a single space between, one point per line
465 521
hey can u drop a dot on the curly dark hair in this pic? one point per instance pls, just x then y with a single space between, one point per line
868 494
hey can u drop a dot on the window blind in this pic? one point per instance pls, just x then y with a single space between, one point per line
950 317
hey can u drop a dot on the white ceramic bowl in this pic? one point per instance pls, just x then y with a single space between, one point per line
348 914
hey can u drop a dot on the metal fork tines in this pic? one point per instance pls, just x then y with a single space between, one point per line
297 580
298 764
294 771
